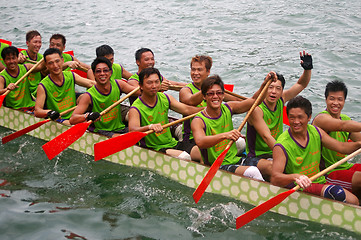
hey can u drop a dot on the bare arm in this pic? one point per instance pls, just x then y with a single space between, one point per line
256 120
39 68
83 106
278 177
133 82
301 83
186 96
134 123
341 147
126 74
203 141
330 124
40 112
181 107
127 88
82 65
84 82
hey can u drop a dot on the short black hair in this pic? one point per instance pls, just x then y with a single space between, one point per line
58 36
11 50
282 79
209 82
50 51
300 102
31 34
101 60
146 72
336 86
104 50
139 52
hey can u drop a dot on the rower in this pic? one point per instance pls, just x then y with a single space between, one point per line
99 97
33 41
266 122
297 154
70 62
190 94
20 95
2 63
150 112
213 127
56 92
144 58
340 127
118 71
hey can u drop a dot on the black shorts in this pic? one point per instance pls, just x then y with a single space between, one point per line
111 133
183 146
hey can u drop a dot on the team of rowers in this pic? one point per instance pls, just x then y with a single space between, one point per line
283 158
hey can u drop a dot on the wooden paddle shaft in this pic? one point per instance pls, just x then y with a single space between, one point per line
25 75
176 122
333 166
255 104
119 101
67 111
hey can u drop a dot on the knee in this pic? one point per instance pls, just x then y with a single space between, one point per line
253 172
335 192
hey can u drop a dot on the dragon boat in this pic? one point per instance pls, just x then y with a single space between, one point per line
298 205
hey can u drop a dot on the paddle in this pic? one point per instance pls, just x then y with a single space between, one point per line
217 163
58 144
30 128
113 145
2 97
264 207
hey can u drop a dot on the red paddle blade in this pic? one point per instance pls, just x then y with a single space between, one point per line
2 97
229 87
108 147
22 131
209 176
261 209
64 140
285 118
80 73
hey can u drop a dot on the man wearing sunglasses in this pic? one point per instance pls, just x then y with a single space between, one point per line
213 127
99 97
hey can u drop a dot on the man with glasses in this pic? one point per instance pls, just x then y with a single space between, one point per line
99 97
213 127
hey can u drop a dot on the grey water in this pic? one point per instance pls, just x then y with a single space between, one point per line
72 197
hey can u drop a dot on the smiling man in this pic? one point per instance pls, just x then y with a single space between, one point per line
150 112
265 124
20 95
213 127
56 92
297 154
99 97
33 41
144 58
340 127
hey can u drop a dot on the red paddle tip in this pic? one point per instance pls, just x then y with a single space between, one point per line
2 97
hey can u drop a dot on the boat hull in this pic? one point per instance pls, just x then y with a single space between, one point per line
299 205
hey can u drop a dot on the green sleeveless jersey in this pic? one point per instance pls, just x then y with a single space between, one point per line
136 77
20 97
60 98
330 157
152 115
255 145
214 126
302 160
67 58
111 121
117 71
187 131
2 46
33 78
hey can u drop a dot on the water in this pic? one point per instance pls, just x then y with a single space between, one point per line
71 195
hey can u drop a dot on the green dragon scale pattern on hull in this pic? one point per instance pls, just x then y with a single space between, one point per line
298 205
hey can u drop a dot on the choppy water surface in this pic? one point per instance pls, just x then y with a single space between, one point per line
71 197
